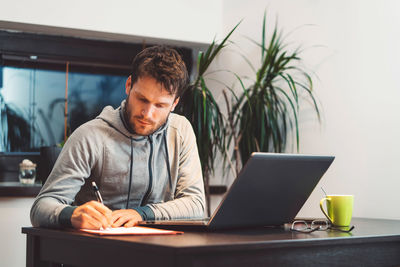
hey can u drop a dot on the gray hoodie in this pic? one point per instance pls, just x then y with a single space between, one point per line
158 175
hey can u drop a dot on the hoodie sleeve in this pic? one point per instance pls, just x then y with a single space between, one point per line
189 199
52 207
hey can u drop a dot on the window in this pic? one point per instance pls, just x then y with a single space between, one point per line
33 71
32 104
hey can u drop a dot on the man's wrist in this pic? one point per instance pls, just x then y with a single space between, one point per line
146 213
64 219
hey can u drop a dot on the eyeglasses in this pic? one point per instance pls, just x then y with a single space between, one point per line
316 225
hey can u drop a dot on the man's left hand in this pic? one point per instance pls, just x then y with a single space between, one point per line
127 218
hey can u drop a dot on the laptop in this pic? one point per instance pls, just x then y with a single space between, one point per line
270 190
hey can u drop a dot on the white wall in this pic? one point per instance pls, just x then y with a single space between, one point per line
14 214
187 20
358 87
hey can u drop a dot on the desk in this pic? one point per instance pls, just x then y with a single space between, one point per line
373 242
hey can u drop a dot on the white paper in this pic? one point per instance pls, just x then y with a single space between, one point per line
136 230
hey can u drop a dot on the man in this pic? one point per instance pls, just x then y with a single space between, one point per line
143 158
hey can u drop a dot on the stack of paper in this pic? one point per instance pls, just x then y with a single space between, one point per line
136 230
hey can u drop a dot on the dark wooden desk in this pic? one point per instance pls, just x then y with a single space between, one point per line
372 243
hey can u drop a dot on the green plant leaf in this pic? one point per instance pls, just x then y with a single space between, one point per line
267 110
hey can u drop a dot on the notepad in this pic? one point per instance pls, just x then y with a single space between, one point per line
136 230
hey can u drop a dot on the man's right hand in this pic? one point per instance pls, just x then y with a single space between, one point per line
91 215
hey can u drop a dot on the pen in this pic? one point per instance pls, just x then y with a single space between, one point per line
97 193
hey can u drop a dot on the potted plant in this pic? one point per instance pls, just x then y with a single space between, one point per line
201 109
262 116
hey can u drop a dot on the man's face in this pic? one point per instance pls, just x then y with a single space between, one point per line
148 105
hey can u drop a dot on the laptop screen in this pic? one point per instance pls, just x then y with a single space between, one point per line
270 190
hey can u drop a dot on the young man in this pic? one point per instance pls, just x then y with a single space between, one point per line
143 158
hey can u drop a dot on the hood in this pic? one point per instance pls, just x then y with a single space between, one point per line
115 118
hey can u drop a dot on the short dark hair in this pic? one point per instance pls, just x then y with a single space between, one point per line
163 64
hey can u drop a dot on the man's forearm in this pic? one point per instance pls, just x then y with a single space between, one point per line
45 212
187 207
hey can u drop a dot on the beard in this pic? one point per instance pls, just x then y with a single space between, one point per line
140 125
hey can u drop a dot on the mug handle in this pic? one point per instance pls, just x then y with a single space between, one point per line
321 205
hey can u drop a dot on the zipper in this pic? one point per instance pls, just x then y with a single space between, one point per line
147 195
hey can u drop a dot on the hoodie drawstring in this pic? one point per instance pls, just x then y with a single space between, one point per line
167 159
168 168
130 176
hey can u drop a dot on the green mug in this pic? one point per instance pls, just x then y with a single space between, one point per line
339 209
